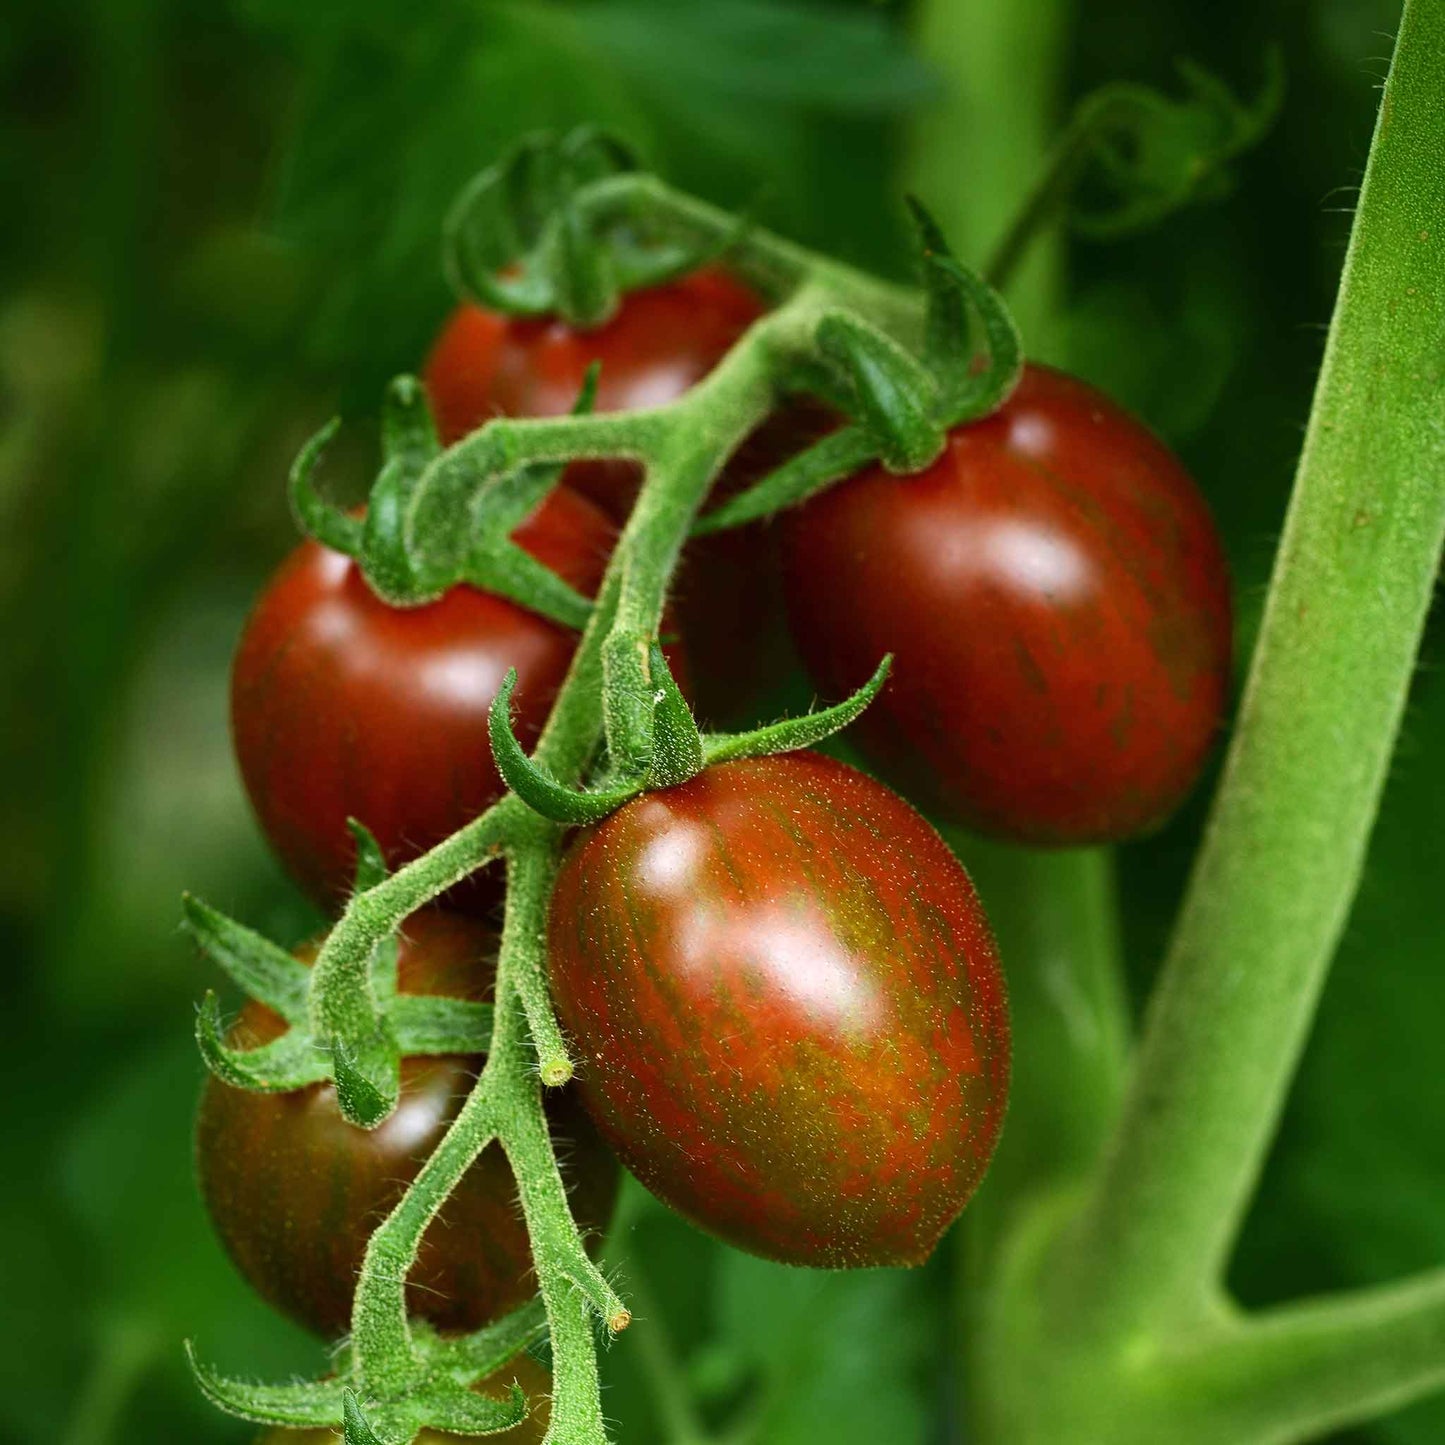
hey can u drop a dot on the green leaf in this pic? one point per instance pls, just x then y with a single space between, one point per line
830 1369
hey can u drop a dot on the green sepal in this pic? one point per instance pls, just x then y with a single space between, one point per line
519 240
835 456
791 734
426 1024
894 397
456 1410
370 866
290 1062
676 742
315 516
953 293
368 1081
946 335
509 571
355 1429
266 972
395 570
538 789
483 1352
315 1403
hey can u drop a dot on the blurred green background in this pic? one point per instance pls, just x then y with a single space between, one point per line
221 225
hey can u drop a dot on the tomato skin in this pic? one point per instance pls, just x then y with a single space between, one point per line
343 706
787 1008
1057 601
524 1370
660 342
294 1190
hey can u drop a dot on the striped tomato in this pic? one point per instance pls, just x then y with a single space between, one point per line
787 1008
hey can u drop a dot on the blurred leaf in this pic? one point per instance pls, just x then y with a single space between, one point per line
400 105
841 1356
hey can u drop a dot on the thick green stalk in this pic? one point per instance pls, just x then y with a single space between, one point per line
977 151
1282 855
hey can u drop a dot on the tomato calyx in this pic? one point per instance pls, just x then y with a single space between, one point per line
902 407
680 750
364 1063
408 544
436 1396
518 240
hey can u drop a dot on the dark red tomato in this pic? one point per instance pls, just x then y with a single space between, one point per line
524 1371
788 1011
295 1191
1057 601
660 342
343 706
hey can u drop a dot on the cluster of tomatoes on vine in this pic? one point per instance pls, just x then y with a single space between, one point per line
779 983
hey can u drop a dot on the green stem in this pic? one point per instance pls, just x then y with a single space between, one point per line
1299 1372
1282 856
980 145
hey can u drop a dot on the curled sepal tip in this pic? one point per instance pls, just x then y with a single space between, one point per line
317 517
893 397
953 293
264 971
459 1411
290 1062
371 866
799 732
538 789
316 1402
676 742
367 1090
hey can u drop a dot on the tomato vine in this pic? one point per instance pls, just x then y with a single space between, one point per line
1103 1298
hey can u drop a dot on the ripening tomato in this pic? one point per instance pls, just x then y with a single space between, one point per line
295 1191
344 706
1057 602
788 1011
524 1371
661 342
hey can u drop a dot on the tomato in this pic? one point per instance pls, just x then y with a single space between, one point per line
295 1191
343 706
661 341
1057 601
787 1008
524 1371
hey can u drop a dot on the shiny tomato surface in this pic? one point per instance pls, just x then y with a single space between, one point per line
1057 601
344 706
295 1191
524 1371
787 1008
